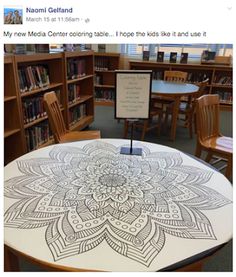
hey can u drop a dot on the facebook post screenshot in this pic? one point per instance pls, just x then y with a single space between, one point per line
117 138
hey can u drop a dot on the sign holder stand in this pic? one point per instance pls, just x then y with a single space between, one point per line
132 102
131 150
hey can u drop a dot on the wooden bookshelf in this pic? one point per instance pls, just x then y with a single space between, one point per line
220 76
105 65
79 88
37 132
26 126
13 127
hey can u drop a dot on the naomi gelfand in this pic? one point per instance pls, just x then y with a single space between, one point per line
8 19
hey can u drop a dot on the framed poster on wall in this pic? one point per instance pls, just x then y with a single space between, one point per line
133 93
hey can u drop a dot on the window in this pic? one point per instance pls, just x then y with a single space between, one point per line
194 50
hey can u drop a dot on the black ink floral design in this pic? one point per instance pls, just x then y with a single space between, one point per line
94 194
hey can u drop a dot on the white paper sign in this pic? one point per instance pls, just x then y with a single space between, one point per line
133 90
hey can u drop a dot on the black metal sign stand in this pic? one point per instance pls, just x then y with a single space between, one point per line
130 150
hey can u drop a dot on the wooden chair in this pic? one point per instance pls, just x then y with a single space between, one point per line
147 124
202 91
175 76
57 124
209 138
187 108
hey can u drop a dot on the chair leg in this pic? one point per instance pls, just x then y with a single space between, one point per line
228 172
159 124
166 117
195 123
145 127
190 126
198 150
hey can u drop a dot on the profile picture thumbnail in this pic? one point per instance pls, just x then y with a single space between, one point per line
13 16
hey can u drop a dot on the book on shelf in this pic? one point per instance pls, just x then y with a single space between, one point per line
184 58
146 55
173 57
160 56
68 47
33 77
42 48
225 97
104 95
19 49
223 80
88 46
197 77
73 93
101 63
37 135
78 47
208 56
101 48
33 108
77 113
76 68
157 75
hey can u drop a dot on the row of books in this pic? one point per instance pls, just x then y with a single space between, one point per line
37 135
77 113
26 48
73 93
197 77
76 68
172 58
33 77
102 63
105 95
225 97
223 80
33 108
158 75
193 77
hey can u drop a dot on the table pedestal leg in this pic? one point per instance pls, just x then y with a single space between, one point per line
174 118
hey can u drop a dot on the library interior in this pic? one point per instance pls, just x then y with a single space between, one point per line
118 150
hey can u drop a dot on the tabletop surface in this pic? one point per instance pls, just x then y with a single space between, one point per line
165 87
84 205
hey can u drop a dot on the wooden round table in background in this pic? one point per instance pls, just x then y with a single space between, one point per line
176 91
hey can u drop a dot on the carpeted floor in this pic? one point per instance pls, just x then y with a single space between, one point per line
111 128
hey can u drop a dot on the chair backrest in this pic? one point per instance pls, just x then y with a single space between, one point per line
202 88
175 76
55 118
202 91
207 116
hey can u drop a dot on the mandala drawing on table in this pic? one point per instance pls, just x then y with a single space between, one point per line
93 194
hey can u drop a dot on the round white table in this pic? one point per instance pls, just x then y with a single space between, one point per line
83 205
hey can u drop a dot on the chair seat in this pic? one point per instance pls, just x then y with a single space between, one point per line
77 135
221 144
